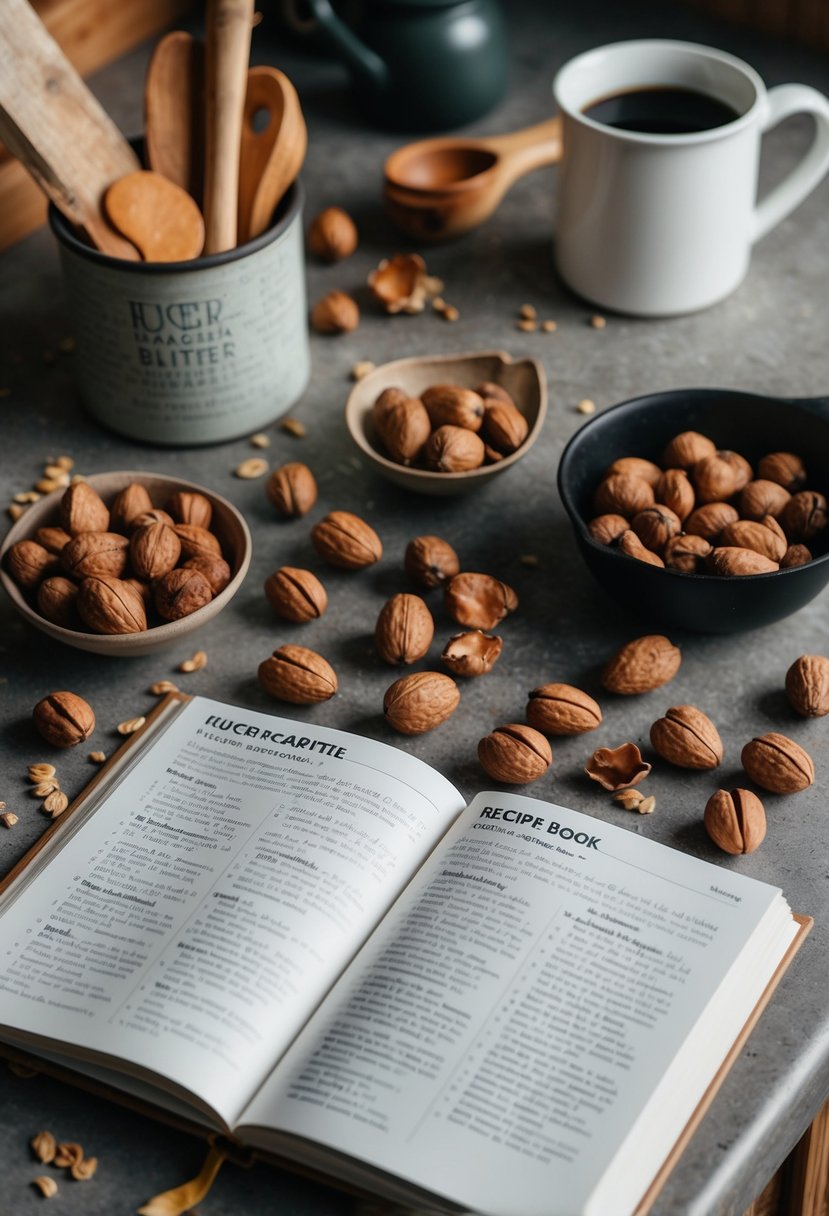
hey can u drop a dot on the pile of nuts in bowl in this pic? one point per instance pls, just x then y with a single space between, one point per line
448 428
707 511
122 568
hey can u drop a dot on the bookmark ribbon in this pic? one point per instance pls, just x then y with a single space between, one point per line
182 1198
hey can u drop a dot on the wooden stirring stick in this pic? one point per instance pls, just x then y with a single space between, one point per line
173 111
227 48
54 125
160 218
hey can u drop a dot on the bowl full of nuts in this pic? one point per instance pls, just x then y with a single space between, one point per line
125 563
703 508
446 424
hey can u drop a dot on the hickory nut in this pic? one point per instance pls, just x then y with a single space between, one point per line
296 595
403 428
709 521
686 553
130 502
715 478
420 702
807 685
737 562
154 550
687 738
735 820
605 529
404 629
430 561
298 675
785 468
778 764
336 313
804 515
655 526
28 562
471 654
478 601
346 541
687 449
623 494
181 592
83 510
454 449
292 488
57 600
674 490
190 507
642 665
111 605
451 405
332 235
561 709
616 768
631 546
64 719
515 754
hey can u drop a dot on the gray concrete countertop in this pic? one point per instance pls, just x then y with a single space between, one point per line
769 336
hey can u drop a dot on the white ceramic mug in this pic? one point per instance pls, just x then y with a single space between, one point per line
662 224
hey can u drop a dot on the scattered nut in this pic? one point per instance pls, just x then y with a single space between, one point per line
430 561
420 702
807 686
296 595
778 764
515 754
687 738
68 1154
64 719
332 235
404 629
617 767
131 725
527 312
561 709
253 467
336 313
195 663
298 675
735 821
292 488
46 1185
346 541
642 665
629 798
40 772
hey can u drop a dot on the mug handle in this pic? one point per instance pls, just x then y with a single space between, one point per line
782 101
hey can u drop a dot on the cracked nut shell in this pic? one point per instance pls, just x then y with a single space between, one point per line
471 654
478 601
617 768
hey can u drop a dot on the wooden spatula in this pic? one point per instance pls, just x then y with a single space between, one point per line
173 111
227 49
272 155
54 125
160 218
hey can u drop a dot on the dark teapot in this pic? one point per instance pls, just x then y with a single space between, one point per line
422 65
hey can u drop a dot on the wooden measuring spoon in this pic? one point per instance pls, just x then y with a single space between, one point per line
55 126
439 188
227 49
274 142
173 108
159 217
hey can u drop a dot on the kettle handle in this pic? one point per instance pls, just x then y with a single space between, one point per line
355 52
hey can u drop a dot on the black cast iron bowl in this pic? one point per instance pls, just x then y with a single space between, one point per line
748 423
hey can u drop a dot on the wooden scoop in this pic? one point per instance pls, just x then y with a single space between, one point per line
173 101
274 142
160 218
226 65
440 188
54 125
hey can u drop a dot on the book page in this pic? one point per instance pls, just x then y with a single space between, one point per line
200 909
497 1039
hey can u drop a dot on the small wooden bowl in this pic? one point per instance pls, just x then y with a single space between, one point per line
523 379
228 525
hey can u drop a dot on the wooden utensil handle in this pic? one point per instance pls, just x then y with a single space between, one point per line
229 24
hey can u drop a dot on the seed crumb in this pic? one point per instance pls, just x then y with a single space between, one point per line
549 327
527 312
131 725
163 686
260 440
293 427
44 788
629 799
195 663
256 466
8 819
47 1186
44 1146
528 326
68 1154
432 285
97 757
529 559
586 406
65 462
81 1171
438 303
14 511
76 479
597 322
361 369
647 806
450 313
41 772
55 804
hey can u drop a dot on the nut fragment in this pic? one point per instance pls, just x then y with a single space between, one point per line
346 541
250 469
44 1146
97 757
293 426
617 767
8 819
40 772
515 754
430 561
295 594
335 313
778 764
298 675
131 725
807 686
630 799
478 601
46 1185
688 738
161 687
64 719
471 654
735 821
55 804
404 629
292 488
642 665
420 701
332 235
68 1154
83 1170
195 663
398 283
561 709
647 806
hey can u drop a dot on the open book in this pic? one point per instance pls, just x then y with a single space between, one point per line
305 939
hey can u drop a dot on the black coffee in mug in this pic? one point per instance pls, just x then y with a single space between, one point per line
661 110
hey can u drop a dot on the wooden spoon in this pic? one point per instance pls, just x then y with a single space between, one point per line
442 187
274 142
227 48
173 108
55 126
159 217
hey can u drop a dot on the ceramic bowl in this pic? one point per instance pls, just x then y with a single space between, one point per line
228 525
523 379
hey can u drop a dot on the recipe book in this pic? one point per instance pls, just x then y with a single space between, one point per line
304 939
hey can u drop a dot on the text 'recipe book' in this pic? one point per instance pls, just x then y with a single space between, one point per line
303 938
